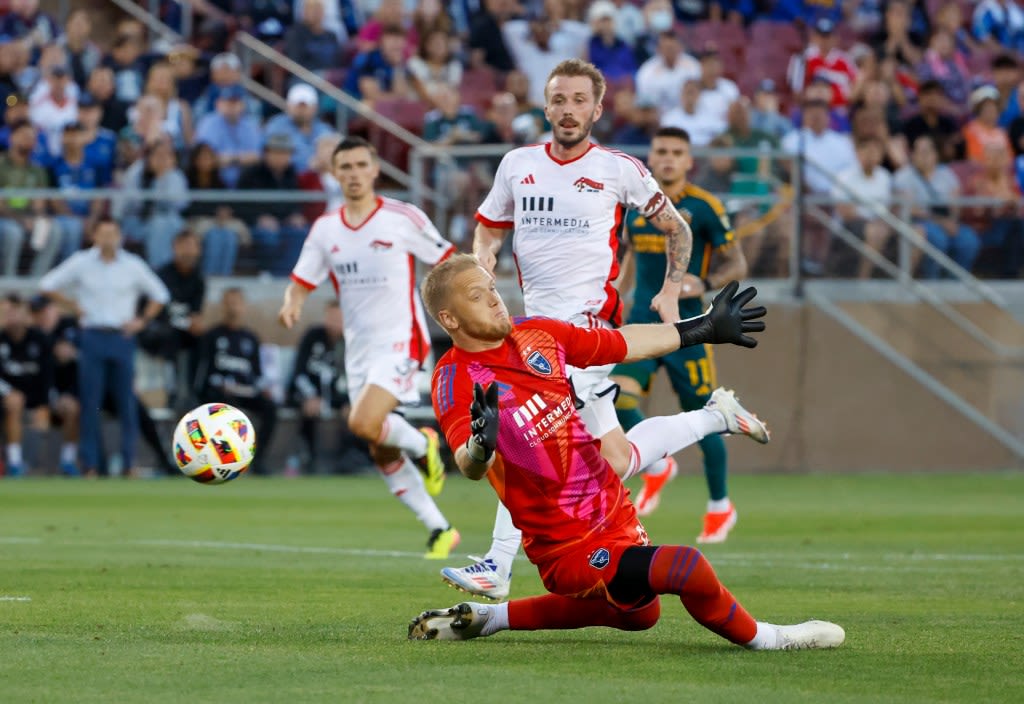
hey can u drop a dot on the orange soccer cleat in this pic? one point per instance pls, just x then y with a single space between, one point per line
650 496
717 525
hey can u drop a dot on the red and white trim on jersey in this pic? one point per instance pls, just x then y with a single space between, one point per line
612 308
631 159
303 283
563 162
397 206
497 224
419 347
346 223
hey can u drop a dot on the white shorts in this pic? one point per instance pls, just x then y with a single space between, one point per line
395 373
594 389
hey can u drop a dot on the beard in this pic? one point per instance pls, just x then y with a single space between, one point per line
569 143
492 331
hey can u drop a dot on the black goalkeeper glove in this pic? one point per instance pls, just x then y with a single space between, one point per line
484 423
725 321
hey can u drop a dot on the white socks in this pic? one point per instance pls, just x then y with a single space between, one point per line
14 453
69 452
719 506
397 432
497 619
767 637
406 483
656 438
505 541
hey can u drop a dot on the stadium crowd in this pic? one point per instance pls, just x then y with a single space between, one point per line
855 84
903 102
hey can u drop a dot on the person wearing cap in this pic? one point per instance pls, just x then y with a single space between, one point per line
309 43
225 70
300 124
983 131
662 76
764 115
823 57
278 227
606 49
234 135
54 107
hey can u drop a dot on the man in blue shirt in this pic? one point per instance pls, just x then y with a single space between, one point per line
234 135
71 172
99 143
300 123
380 73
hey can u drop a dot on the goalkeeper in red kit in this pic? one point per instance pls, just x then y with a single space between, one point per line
505 404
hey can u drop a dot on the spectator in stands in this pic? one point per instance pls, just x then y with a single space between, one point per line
99 143
877 96
190 78
869 122
265 19
950 18
26 374
103 284
517 83
932 121
744 135
17 112
27 21
999 24
716 174
641 123
927 188
717 93
662 76
214 222
1003 223
389 15
80 53
822 57
433 68
61 334
1006 76
234 135
606 49
145 130
54 107
125 60
101 88
20 216
278 229
540 43
310 43
896 38
318 177
225 73
156 221
765 116
821 89
702 126
313 388
486 41
8 82
24 73
870 186
177 113
299 123
72 173
229 371
429 16
984 130
380 74
943 63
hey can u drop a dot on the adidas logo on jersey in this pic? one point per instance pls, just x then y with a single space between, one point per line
528 180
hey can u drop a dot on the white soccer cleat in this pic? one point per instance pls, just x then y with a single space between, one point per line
480 579
460 622
809 635
738 420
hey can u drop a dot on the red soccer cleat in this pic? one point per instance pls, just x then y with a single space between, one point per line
717 525
650 496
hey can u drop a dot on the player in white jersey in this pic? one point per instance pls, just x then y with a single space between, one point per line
367 249
564 202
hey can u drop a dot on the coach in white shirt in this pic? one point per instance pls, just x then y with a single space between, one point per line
662 76
103 284
871 184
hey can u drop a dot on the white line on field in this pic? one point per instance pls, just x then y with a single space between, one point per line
216 545
15 598
12 540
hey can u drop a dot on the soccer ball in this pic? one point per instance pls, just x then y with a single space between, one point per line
214 443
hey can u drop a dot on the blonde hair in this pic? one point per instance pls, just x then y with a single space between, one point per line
578 67
434 288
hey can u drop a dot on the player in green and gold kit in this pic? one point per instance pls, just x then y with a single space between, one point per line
692 370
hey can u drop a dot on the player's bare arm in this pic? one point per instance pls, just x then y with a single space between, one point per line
294 298
731 266
727 321
678 249
487 243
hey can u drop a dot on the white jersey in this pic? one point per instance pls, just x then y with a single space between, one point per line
374 275
566 218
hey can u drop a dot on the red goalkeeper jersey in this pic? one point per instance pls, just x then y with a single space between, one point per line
549 471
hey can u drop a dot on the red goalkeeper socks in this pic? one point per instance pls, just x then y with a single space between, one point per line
551 611
684 571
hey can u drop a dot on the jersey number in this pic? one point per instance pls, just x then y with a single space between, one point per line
700 375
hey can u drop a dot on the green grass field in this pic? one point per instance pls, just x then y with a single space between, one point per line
300 591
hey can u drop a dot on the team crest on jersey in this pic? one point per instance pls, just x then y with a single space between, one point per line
381 245
584 184
539 363
600 558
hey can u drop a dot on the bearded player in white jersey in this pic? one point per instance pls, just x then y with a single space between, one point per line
564 201
367 249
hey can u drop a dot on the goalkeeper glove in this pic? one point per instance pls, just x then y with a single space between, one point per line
483 424
726 320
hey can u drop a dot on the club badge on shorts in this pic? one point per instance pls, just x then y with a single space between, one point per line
539 363
600 558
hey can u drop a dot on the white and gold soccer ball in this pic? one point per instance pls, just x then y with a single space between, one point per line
214 443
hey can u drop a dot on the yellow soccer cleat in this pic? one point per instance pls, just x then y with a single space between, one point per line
441 543
431 465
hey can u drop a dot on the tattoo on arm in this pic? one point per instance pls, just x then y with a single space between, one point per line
678 242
